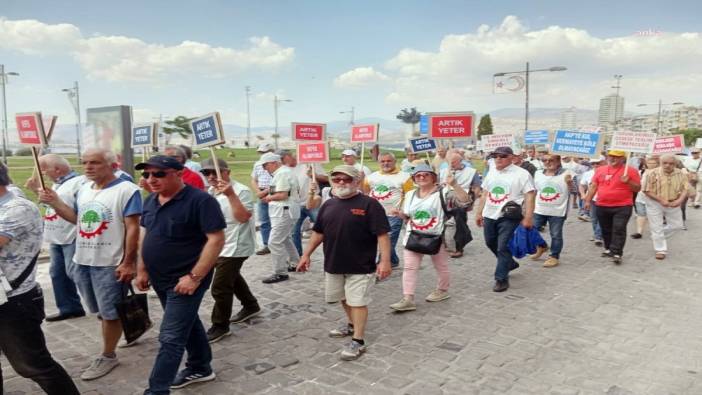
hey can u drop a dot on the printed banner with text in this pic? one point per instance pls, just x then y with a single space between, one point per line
313 152
669 144
640 142
489 142
576 143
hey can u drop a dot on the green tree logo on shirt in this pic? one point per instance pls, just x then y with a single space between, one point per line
497 194
380 192
549 193
423 220
94 217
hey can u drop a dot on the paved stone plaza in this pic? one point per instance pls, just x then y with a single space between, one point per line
585 327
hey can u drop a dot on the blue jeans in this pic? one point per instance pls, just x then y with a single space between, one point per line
555 227
265 221
297 230
395 229
497 235
63 272
181 329
596 229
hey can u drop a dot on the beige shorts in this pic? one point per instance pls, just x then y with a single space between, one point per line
353 288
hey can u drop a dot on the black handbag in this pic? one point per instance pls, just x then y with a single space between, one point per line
133 313
512 210
424 243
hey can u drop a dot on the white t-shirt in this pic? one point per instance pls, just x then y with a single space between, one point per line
56 229
304 180
585 181
464 177
101 226
366 171
692 164
551 193
388 188
238 237
284 181
641 196
536 162
425 214
507 185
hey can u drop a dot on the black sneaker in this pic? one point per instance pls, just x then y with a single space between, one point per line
244 314
636 235
617 259
185 377
276 278
606 254
501 286
599 243
292 269
216 333
263 251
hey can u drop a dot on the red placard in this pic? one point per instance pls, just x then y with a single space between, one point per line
669 144
30 128
313 152
309 131
365 133
451 125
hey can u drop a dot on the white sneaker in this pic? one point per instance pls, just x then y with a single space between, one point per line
437 296
404 305
101 366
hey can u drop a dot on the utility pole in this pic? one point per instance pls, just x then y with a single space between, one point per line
3 79
617 77
248 117
74 97
526 105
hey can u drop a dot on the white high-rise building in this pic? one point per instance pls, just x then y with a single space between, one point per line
569 119
611 111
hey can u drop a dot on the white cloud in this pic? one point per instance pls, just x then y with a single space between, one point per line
458 75
119 58
360 77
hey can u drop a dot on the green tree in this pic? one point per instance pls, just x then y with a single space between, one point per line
422 215
485 125
691 135
411 117
179 125
549 190
90 217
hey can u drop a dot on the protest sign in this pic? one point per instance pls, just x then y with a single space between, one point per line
208 132
143 135
641 142
532 137
317 152
669 144
458 125
365 133
423 124
30 127
309 131
489 142
422 144
577 143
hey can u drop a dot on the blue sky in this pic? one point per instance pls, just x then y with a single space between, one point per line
312 44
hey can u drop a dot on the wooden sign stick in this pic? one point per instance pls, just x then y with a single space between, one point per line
215 163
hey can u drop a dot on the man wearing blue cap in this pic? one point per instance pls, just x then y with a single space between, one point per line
182 238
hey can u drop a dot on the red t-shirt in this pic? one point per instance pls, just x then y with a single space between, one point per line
193 179
611 191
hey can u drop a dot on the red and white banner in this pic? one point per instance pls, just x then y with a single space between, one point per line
451 125
640 142
30 128
309 131
313 152
489 142
669 144
364 133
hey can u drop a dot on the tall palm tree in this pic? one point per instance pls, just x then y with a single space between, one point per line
411 117
179 125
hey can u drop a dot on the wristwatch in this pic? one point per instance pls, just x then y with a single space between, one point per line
195 277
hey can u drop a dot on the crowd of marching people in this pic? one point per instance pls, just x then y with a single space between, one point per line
196 227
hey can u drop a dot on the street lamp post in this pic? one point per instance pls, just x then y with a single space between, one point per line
248 117
660 105
617 77
74 98
275 110
526 86
353 114
3 79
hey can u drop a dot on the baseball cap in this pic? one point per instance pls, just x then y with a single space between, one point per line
695 150
349 152
350 171
269 157
501 151
208 164
616 152
265 147
599 159
160 161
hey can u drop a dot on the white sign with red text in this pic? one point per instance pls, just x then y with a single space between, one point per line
365 133
489 142
641 142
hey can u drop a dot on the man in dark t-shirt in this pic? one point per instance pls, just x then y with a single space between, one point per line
352 226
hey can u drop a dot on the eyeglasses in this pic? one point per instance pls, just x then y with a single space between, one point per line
548 160
157 174
345 180
208 172
422 175
501 156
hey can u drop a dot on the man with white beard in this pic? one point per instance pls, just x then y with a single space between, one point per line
352 226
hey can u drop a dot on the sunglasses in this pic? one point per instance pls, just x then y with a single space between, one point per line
157 174
548 160
208 172
501 156
345 180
